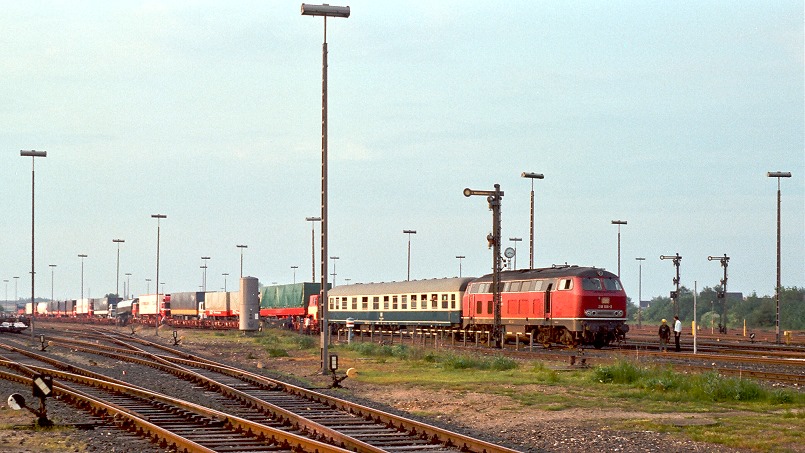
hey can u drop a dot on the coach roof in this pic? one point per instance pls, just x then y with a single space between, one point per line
404 287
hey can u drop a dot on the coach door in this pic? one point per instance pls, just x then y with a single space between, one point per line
547 299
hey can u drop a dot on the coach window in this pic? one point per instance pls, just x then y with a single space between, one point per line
444 301
612 284
394 303
385 302
413 302
452 301
434 301
332 303
354 303
364 303
404 302
343 303
376 303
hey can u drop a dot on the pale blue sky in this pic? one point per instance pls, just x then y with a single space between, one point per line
664 114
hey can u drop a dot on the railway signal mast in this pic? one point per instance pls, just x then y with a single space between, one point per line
722 295
675 294
494 197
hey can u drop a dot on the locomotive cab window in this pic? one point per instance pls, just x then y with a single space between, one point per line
591 284
612 284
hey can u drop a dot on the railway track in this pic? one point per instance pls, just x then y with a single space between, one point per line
168 422
270 402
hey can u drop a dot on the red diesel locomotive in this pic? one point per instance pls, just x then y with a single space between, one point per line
561 304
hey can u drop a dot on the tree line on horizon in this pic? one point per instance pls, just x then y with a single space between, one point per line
759 312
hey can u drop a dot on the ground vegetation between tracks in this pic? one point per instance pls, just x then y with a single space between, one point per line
528 405
538 406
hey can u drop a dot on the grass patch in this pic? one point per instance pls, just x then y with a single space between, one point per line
663 383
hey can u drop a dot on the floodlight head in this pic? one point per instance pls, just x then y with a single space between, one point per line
532 175
779 174
32 153
313 219
619 222
325 10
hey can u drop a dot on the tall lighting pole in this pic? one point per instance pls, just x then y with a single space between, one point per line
515 240
324 11
225 275
778 175
147 286
532 177
159 218
82 256
639 289
313 221
5 280
459 257
294 273
16 298
334 274
117 272
52 268
127 291
33 155
204 278
619 223
409 233
241 247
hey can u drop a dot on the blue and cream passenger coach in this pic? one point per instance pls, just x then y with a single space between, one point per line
433 302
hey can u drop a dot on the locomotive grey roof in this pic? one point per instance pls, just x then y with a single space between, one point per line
405 287
550 272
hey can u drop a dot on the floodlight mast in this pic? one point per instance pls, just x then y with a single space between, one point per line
324 11
532 176
778 175
494 197
33 154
